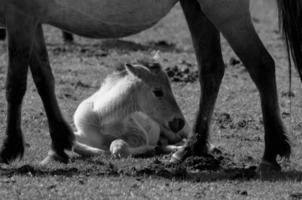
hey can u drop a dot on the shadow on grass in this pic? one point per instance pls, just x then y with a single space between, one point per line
101 49
104 167
161 45
291 175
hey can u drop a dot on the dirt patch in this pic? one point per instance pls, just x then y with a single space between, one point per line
163 46
193 167
226 121
104 48
182 73
84 50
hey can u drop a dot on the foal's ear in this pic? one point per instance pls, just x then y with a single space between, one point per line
132 70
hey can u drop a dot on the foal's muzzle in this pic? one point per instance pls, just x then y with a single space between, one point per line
176 124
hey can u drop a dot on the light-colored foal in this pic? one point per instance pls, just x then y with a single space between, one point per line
118 117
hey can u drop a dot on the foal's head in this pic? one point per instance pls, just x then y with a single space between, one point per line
154 95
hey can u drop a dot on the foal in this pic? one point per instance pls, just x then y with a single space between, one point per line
127 115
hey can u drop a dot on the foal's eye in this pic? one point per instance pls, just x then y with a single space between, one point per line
158 92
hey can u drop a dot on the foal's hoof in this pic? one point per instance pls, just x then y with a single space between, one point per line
212 149
185 152
180 155
268 169
119 149
53 156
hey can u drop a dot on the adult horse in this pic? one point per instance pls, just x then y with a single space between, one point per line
115 18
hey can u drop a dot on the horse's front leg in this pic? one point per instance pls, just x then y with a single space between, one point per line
21 32
206 41
61 134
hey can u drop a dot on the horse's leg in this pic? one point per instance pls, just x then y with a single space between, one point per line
233 19
206 41
21 32
67 37
61 134
2 33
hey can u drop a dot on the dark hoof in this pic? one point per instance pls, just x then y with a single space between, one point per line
268 169
62 137
52 156
12 149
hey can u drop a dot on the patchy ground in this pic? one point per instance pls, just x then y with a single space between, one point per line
237 127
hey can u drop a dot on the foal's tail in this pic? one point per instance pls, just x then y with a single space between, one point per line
290 21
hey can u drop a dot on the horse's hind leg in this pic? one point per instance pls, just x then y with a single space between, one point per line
21 32
206 40
233 19
60 132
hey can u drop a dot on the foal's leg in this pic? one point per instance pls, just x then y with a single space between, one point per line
233 19
120 148
21 32
61 134
206 40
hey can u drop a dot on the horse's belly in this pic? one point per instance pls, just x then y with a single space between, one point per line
107 18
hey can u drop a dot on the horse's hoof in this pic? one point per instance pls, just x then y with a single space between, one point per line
12 149
53 156
268 169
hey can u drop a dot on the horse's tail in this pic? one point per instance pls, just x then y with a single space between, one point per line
290 21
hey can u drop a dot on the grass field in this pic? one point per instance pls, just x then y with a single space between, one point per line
237 127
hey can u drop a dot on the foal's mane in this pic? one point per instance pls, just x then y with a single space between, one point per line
120 71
